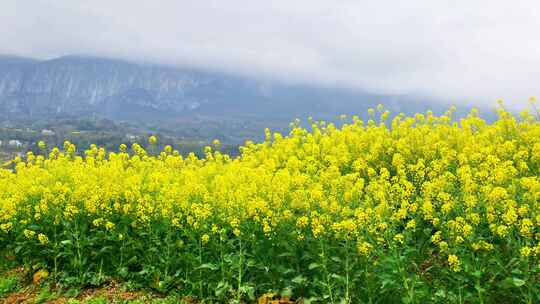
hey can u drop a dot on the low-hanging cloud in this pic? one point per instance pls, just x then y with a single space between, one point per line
464 51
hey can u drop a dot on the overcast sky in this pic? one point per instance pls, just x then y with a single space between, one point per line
466 51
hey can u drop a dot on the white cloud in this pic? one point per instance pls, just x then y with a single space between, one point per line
466 51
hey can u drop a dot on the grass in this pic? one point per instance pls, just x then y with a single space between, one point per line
8 285
17 287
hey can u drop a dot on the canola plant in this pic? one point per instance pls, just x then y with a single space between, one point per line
413 209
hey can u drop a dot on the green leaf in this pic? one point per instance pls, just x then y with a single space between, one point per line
479 288
511 282
105 249
209 266
66 242
72 292
248 290
132 260
518 282
251 263
311 300
286 292
286 255
18 249
313 266
300 280
440 293
287 271
336 259
336 276
123 272
222 289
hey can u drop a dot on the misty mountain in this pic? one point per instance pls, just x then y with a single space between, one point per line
121 90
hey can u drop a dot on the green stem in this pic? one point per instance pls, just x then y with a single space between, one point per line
401 269
200 272
326 274
100 276
221 258
479 291
239 295
79 254
347 296
122 252
369 291
55 275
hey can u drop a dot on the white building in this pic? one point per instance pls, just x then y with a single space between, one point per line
132 138
15 143
46 132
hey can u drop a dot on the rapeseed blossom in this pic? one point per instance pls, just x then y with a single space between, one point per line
464 189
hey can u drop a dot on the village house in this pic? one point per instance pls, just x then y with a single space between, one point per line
15 143
46 132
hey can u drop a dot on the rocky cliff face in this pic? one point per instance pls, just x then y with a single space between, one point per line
121 90
80 85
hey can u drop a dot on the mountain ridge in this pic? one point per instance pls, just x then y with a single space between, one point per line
82 85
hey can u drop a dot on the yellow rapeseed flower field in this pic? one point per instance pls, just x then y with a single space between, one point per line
416 209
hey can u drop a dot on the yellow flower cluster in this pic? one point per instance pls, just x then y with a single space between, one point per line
472 185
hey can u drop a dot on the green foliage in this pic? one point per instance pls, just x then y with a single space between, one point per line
98 300
8 285
358 214
45 295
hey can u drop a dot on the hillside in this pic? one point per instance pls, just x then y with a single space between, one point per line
124 90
